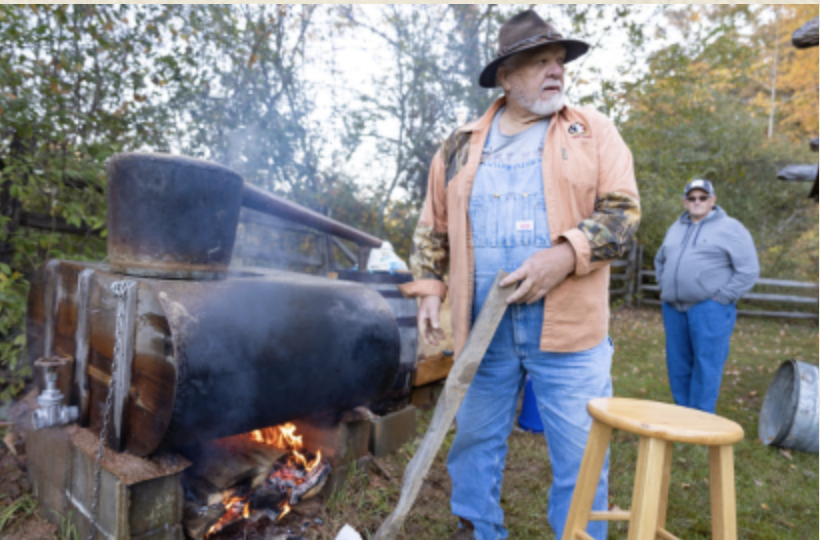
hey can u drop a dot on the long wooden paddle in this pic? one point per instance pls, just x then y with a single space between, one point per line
458 381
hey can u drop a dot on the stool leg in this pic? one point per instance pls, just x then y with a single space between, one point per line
588 475
643 522
663 499
722 492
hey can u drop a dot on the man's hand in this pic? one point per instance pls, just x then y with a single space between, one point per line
540 273
428 323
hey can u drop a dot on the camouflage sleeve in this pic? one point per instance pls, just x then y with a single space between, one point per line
430 256
612 226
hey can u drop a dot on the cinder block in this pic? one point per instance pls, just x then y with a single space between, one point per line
425 397
139 499
341 442
389 432
155 504
339 476
165 533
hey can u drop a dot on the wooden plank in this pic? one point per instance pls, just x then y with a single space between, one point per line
786 283
455 388
786 298
777 314
432 369
587 483
722 492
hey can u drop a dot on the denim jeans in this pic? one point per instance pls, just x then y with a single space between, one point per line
563 383
697 346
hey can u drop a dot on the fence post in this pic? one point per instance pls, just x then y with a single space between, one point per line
631 270
639 276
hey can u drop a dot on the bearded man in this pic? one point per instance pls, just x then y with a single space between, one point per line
547 192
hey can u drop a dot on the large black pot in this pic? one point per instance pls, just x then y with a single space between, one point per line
175 217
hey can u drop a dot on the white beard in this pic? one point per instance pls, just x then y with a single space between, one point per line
538 106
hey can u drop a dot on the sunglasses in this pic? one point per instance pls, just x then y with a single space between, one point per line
701 198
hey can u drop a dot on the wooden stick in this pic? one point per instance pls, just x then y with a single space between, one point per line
455 388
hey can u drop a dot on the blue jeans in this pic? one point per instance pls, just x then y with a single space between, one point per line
697 346
563 384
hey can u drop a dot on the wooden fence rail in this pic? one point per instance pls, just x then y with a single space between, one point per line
644 287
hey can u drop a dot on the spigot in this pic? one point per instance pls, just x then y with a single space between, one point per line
52 412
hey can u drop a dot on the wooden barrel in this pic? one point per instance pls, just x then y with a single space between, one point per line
404 309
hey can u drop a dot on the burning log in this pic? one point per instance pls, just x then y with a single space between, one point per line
227 475
227 463
198 520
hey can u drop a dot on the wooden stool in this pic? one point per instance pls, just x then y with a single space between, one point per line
659 425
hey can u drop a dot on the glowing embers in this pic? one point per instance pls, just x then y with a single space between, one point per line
296 475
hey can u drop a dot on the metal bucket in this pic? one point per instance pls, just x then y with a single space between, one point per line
790 416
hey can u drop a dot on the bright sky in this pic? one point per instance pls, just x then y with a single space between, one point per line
347 62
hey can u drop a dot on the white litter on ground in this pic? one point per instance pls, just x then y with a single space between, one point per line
348 533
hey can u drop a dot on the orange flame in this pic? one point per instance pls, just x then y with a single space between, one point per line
283 437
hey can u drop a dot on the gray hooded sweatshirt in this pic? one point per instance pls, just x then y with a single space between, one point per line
714 258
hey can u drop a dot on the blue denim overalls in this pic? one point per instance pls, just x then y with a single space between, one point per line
509 223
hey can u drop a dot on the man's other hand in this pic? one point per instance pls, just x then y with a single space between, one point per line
428 322
540 273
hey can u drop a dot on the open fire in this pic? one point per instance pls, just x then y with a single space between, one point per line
297 475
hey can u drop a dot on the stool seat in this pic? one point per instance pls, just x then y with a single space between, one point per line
659 426
665 421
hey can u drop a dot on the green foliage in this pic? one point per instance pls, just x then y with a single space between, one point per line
688 118
67 530
18 509
73 90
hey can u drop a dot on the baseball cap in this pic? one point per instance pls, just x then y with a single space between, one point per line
699 183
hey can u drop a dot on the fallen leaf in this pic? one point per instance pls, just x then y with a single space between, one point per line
685 485
753 393
785 453
758 483
764 506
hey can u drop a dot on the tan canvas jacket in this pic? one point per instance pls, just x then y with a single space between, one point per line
592 203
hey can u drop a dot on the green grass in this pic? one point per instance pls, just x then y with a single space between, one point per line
777 492
17 509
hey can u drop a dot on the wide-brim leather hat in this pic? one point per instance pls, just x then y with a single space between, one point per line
524 32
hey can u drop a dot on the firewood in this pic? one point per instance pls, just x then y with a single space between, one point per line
229 462
458 381
198 519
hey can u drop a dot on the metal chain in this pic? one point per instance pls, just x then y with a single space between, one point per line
121 290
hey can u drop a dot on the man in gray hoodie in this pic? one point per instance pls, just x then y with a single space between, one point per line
706 263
